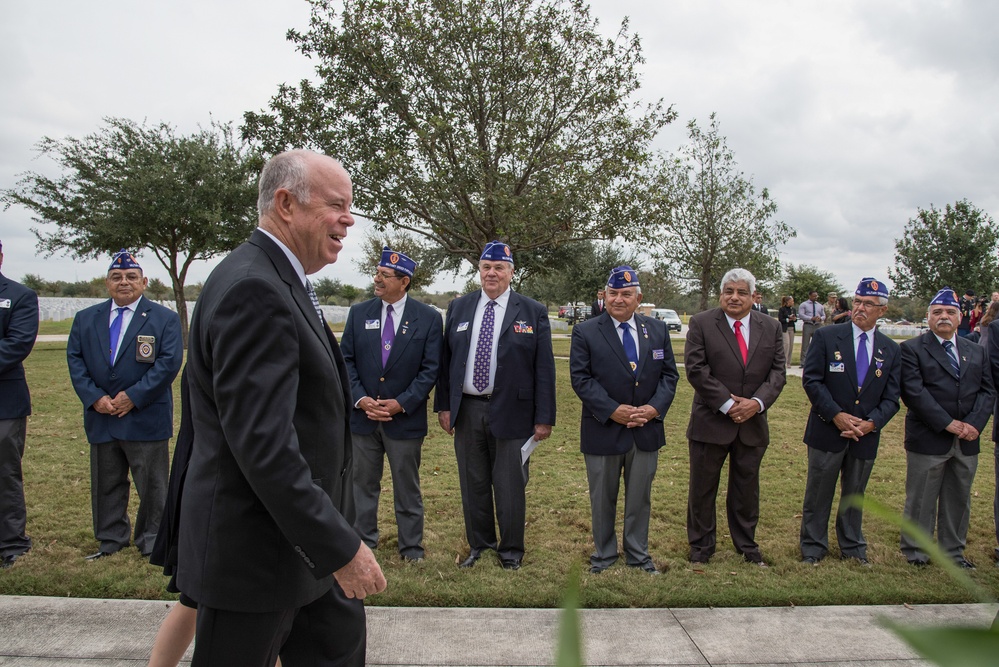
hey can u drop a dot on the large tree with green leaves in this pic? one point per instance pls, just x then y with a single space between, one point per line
183 198
956 247
705 217
464 121
800 279
582 269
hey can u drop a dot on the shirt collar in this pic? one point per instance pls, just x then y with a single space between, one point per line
295 263
398 306
501 300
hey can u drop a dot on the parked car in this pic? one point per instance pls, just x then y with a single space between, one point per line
672 320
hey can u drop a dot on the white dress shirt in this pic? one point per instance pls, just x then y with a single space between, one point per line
499 310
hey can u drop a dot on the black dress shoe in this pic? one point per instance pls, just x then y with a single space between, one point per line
411 559
919 563
810 560
468 562
965 564
596 569
754 559
647 567
99 555
7 562
510 563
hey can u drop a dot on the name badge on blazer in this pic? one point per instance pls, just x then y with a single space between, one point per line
372 324
837 367
145 349
4 303
658 354
462 326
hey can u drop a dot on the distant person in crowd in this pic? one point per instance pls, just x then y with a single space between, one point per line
123 356
812 314
18 330
495 391
995 297
787 316
622 368
991 332
981 333
267 544
852 380
966 307
842 313
976 315
758 304
734 359
598 305
392 346
832 299
947 387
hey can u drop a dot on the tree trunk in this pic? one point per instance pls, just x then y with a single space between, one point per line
178 298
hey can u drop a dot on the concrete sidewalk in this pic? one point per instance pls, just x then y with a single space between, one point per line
46 632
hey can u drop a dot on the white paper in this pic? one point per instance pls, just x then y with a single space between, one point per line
525 451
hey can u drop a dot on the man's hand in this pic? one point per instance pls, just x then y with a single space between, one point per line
104 406
963 430
122 404
743 409
444 419
390 405
542 431
642 415
852 427
374 410
362 576
622 415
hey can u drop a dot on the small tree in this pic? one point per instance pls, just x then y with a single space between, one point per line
956 247
705 217
183 198
801 279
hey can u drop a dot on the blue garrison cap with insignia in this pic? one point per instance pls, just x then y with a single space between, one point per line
123 259
871 287
393 259
621 277
946 297
497 251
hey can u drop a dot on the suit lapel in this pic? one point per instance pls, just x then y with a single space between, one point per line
102 322
608 327
374 312
844 345
512 312
405 333
728 335
936 351
643 343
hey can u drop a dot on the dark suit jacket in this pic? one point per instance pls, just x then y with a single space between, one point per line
992 355
18 330
408 376
148 385
935 396
524 392
715 370
833 392
595 308
603 380
761 309
262 524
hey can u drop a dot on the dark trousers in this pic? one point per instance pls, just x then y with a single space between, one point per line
328 631
742 504
938 499
995 497
13 515
603 476
110 463
404 463
490 467
824 470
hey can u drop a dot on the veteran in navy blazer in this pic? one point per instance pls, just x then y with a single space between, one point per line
496 389
267 545
18 330
947 387
846 419
626 386
392 346
123 356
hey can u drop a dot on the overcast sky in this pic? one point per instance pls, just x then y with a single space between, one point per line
853 114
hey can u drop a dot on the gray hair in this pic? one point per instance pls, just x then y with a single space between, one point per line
287 171
738 276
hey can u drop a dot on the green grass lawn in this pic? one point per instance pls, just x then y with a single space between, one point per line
558 532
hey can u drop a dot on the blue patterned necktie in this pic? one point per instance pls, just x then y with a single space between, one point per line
951 351
484 348
629 346
115 332
313 298
388 336
863 361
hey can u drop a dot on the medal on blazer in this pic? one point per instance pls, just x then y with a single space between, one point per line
878 363
145 349
644 333
405 326
837 356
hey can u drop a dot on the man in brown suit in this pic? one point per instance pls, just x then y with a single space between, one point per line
734 359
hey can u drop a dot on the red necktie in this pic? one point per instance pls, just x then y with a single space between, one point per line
742 342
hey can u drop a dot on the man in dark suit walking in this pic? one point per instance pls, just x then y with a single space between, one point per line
18 330
495 391
599 304
123 356
948 389
758 304
734 359
623 371
267 548
852 379
391 345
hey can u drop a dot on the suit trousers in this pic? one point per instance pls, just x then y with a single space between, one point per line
489 466
110 463
824 469
788 338
938 499
404 463
742 503
995 496
807 329
603 475
13 515
328 631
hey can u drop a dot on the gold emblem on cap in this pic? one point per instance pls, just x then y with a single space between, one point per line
627 276
506 250
874 285
394 258
955 295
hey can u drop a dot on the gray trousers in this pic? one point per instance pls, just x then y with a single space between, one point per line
788 338
110 463
603 475
404 464
938 499
807 329
490 467
13 515
824 470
